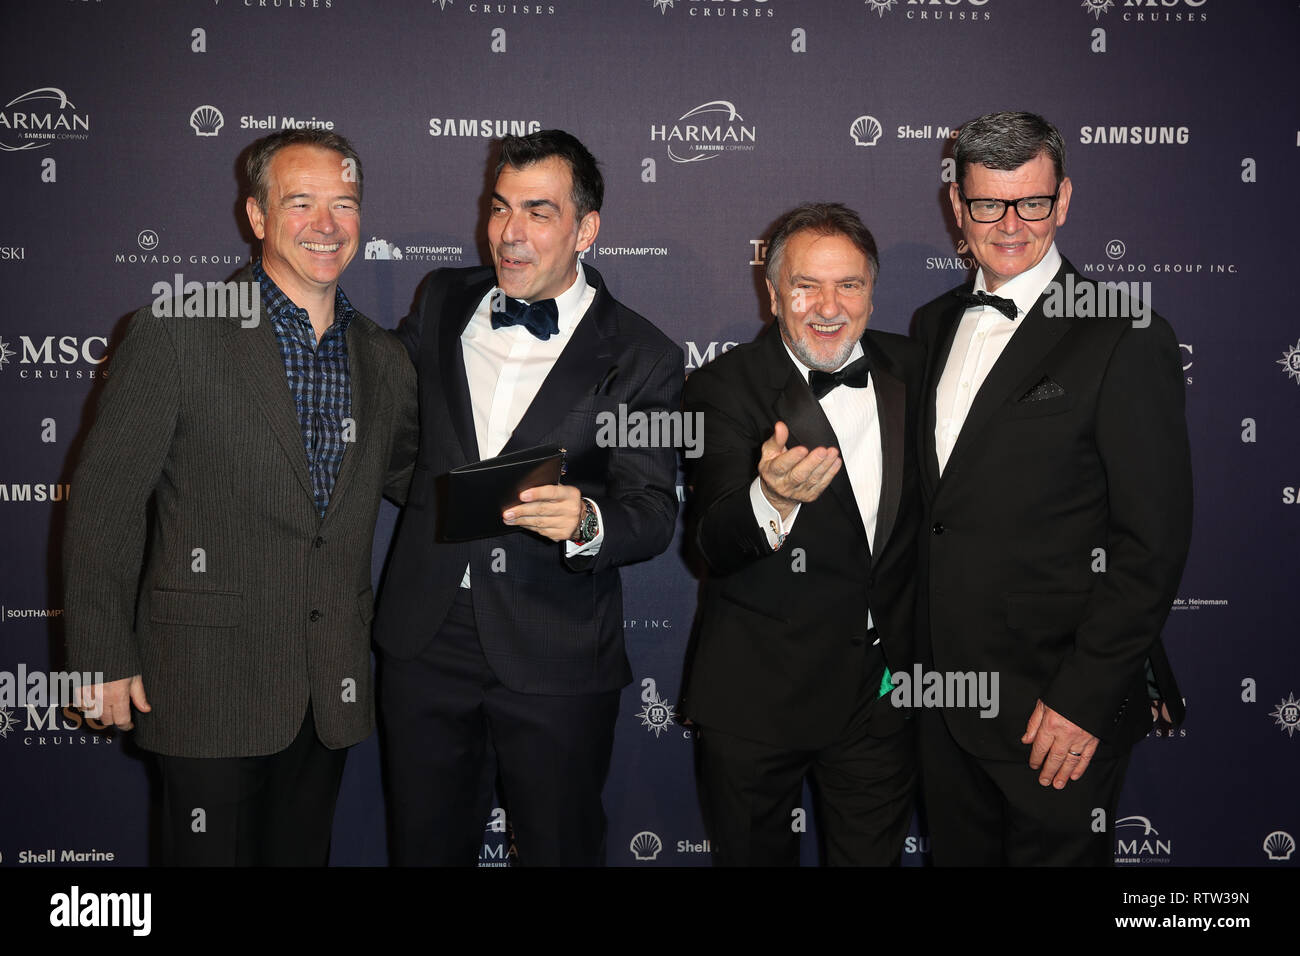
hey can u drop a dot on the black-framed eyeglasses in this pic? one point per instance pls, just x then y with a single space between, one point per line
1028 208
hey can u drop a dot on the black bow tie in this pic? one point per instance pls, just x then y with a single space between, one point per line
540 318
854 375
1005 306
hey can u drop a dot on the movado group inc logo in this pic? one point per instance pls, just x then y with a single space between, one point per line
705 132
40 116
1116 252
1290 362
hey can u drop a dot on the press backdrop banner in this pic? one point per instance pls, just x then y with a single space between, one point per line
123 120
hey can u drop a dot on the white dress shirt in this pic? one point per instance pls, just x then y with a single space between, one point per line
505 368
982 334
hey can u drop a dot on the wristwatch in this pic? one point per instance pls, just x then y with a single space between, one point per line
588 525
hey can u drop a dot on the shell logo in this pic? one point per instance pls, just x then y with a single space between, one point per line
207 121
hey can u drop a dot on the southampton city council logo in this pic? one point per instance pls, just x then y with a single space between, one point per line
1288 715
1290 361
1097 7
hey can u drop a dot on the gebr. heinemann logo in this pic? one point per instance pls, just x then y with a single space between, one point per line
715 128
1290 361
24 121
207 121
1288 715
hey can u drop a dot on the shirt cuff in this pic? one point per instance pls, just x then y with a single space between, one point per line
592 546
768 518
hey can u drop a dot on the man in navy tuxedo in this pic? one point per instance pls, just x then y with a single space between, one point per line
511 646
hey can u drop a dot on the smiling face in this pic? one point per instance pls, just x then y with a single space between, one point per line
1006 248
534 231
824 297
311 226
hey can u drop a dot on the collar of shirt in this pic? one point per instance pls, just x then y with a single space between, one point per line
568 305
282 309
856 354
1025 288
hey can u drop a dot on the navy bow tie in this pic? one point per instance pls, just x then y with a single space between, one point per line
541 318
1005 306
854 375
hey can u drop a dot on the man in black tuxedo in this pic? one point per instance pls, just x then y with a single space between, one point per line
805 510
1057 483
512 645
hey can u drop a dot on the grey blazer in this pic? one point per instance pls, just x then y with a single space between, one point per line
194 554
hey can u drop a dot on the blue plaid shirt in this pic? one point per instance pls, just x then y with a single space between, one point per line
319 380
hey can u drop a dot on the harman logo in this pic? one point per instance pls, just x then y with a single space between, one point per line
1290 362
26 123
1287 715
1115 249
697 359
207 121
1134 135
866 131
1144 844
657 715
709 134
382 249
485 128
498 841
645 845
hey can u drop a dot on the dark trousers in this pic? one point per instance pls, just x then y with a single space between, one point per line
276 810
996 813
445 714
862 790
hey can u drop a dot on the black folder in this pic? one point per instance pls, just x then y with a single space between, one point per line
478 493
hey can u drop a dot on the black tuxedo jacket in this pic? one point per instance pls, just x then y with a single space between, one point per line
1054 542
548 623
781 642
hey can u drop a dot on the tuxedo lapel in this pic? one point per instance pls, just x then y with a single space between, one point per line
1036 337
584 363
257 358
891 412
935 364
804 417
454 315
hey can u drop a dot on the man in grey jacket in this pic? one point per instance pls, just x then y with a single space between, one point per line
218 552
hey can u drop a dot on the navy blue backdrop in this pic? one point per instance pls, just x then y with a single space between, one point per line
118 146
